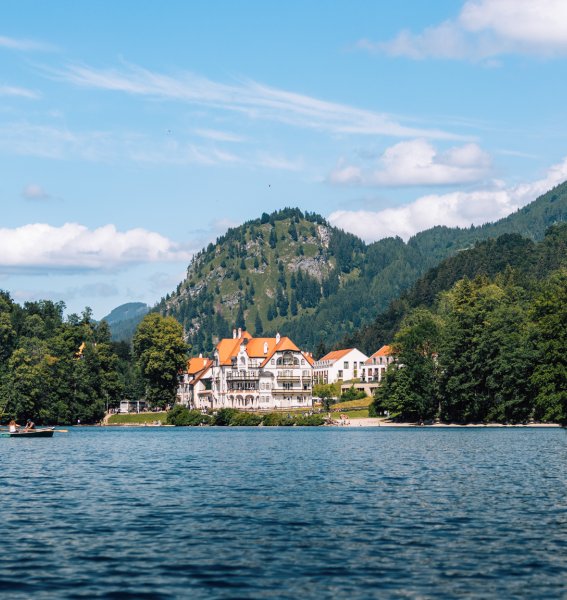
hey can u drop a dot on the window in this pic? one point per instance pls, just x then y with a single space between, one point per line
340 374
287 360
345 365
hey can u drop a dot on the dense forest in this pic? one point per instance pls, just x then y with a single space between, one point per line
64 370
292 272
482 337
57 370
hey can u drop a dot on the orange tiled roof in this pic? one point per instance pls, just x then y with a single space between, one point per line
255 347
336 354
194 365
284 344
203 372
384 351
308 358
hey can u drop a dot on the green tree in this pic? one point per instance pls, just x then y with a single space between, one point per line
550 340
160 352
410 389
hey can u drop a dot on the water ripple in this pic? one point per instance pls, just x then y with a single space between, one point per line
285 513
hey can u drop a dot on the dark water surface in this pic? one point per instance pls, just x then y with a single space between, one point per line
285 513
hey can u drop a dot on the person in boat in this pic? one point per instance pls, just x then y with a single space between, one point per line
30 425
13 426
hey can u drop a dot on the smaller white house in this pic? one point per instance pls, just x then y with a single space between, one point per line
339 365
374 368
195 380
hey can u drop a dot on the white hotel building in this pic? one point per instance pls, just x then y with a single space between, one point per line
249 374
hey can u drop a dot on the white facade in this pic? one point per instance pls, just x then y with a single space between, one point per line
339 365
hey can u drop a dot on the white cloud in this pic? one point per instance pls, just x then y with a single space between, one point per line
253 99
18 92
24 45
417 162
456 209
219 136
58 143
35 192
485 29
74 246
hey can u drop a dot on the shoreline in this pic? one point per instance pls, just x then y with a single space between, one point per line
378 422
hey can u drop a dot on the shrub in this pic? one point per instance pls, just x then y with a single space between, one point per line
277 420
246 419
352 394
181 416
224 417
309 420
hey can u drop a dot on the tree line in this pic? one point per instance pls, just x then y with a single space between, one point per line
489 349
62 370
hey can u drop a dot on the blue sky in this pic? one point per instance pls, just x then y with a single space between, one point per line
133 133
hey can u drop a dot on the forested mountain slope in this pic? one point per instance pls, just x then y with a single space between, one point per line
292 272
522 259
124 319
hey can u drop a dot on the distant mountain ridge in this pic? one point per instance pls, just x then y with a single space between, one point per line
294 273
124 319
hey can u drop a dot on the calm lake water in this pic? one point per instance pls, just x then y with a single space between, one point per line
285 513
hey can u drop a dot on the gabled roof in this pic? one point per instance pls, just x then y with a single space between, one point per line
284 344
202 373
384 351
336 355
227 348
308 358
194 365
255 347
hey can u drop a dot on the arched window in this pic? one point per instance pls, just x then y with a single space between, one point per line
287 359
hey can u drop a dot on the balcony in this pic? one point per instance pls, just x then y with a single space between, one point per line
242 375
287 376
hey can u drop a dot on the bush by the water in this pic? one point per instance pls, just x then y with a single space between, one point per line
224 417
246 419
231 417
182 416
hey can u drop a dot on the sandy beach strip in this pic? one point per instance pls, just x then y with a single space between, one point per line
378 422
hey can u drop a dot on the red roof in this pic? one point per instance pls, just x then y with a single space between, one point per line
384 351
336 355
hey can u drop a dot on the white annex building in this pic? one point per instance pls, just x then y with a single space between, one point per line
374 368
339 365
249 374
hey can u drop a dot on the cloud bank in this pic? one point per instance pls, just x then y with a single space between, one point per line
75 247
486 29
417 162
455 209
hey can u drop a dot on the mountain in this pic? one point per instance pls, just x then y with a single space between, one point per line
509 255
294 273
124 319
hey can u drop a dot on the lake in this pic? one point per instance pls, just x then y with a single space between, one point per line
285 513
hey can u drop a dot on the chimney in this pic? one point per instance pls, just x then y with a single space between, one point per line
278 338
239 332
265 347
234 334
200 355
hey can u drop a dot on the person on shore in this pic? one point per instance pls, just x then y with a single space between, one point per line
13 426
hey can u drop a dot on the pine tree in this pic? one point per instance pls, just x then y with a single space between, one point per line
258 327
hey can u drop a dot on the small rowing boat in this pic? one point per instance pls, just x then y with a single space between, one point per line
46 432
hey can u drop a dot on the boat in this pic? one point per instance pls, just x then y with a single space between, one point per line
45 432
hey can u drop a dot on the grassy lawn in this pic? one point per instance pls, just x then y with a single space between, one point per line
352 414
362 403
135 418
